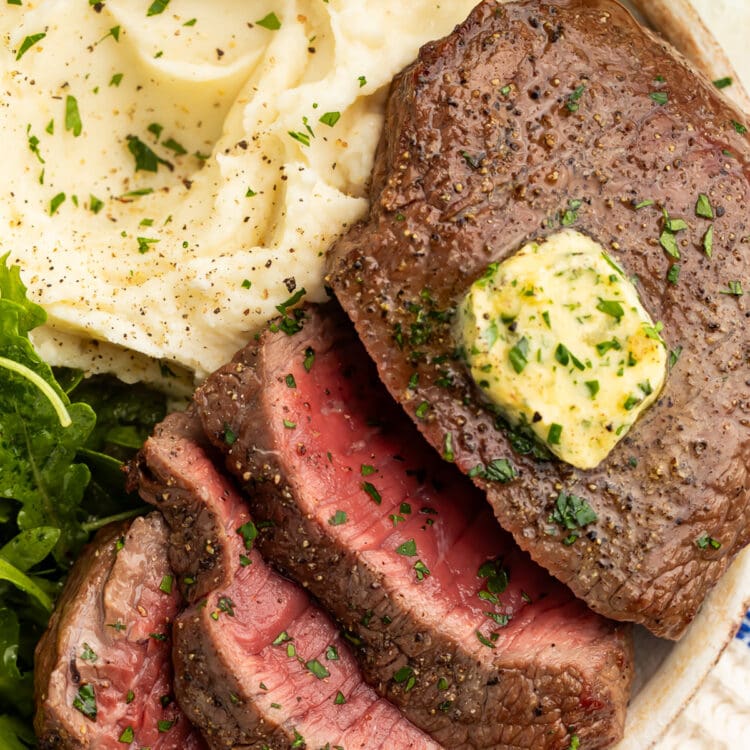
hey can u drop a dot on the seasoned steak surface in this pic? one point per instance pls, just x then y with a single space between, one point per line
473 641
489 137
103 671
258 665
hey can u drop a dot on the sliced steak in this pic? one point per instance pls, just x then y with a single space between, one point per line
258 665
103 672
489 136
453 623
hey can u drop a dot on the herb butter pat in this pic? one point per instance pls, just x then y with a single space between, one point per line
558 340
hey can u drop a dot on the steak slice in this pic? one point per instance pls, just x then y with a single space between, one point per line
490 137
476 644
258 665
103 672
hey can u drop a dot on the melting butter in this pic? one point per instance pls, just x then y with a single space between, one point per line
557 339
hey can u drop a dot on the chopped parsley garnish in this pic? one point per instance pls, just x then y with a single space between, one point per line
339 700
330 118
484 640
230 436
130 697
85 701
145 158
673 275
249 532
660 97
282 637
28 43
704 541
366 470
317 669
405 675
564 356
668 241
422 409
290 381
127 735
593 386
498 470
164 725
270 22
703 207
176 148
55 203
332 653
95 205
708 241
722 83
674 356
631 402
517 355
372 491
654 331
612 308
88 654
309 359
116 79
554 434
144 243
572 513
643 204
408 549
734 288
166 584
362 81
570 215
421 570
290 323
289 424
572 102
300 137
338 518
448 453
157 7
739 127
226 605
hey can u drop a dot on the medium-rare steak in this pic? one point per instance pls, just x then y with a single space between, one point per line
103 672
258 665
534 115
451 621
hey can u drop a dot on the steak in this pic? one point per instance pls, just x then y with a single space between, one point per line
476 644
529 116
103 672
258 665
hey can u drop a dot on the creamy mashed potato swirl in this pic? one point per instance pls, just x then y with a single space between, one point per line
170 177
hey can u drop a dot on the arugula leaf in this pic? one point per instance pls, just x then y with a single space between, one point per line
30 547
15 735
15 687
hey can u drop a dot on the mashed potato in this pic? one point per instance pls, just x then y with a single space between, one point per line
174 170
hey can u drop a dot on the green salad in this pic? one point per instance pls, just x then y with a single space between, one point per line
63 441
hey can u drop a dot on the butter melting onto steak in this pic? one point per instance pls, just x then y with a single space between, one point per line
450 620
534 115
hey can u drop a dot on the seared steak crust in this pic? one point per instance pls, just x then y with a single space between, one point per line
110 634
252 653
302 419
488 137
